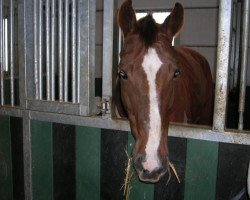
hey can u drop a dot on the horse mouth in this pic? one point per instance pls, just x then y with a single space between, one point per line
152 177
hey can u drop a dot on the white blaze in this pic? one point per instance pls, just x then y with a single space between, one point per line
151 65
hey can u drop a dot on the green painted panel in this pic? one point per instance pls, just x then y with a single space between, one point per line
140 190
6 188
88 163
201 170
42 160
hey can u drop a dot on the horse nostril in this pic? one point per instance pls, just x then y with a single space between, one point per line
146 172
138 159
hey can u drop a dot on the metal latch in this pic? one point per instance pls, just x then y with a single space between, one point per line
106 106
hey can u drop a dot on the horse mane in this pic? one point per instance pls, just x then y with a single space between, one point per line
147 29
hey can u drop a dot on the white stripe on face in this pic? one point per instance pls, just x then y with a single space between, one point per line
151 65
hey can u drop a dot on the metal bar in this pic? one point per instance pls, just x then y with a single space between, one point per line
78 65
1 55
12 79
175 130
223 49
48 77
40 49
86 55
79 62
73 56
237 44
108 23
60 48
5 49
27 155
53 37
66 48
244 55
26 51
54 106
194 132
11 111
232 58
35 52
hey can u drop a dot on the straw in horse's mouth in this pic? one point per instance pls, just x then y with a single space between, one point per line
175 172
127 186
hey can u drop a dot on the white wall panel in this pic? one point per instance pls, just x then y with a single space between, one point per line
200 28
169 4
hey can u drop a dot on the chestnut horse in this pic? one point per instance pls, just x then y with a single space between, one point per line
158 83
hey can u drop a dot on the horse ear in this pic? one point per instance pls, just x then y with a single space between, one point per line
174 22
126 17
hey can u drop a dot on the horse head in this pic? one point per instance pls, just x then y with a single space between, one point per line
147 72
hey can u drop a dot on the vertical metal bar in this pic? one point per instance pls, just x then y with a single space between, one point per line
108 21
237 44
232 61
233 49
73 56
66 48
60 48
26 60
12 100
109 53
53 35
5 44
40 49
48 49
26 51
35 52
27 156
78 64
244 55
1 55
223 49
86 54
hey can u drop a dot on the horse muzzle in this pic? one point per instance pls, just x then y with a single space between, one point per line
150 173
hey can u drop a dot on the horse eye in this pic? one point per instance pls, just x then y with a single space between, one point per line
176 73
123 75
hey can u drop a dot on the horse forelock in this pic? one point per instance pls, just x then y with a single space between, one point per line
147 29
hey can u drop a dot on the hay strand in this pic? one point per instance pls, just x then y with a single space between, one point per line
127 186
175 172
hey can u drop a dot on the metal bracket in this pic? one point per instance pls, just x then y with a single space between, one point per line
106 106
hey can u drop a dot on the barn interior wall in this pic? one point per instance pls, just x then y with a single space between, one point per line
74 162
